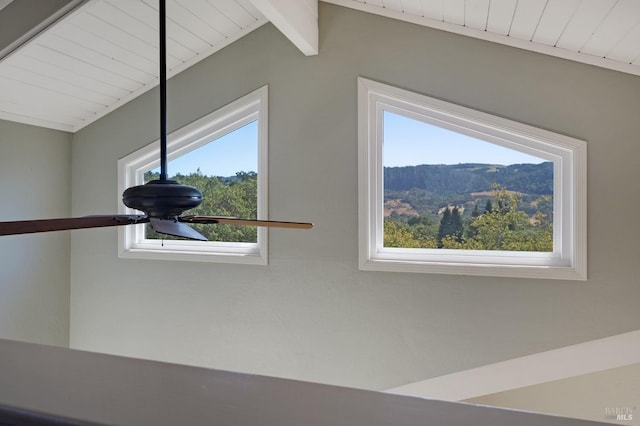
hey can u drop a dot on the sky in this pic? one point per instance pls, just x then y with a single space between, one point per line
409 142
234 152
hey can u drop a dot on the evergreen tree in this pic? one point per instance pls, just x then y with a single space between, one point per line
476 212
488 208
471 230
457 227
444 225
450 225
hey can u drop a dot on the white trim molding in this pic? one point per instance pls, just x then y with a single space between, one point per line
568 155
131 239
557 364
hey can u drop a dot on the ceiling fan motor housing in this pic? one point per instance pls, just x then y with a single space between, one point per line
162 198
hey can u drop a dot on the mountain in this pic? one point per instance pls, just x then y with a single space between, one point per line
531 179
427 189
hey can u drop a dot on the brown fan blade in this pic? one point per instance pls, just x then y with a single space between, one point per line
48 225
245 222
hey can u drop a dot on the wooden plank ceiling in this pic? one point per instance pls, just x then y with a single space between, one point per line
104 53
604 33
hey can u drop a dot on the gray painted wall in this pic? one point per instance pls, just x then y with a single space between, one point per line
311 314
35 171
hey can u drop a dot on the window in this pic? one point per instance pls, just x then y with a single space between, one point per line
446 189
224 154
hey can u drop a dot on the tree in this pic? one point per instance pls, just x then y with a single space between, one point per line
457 227
476 212
544 213
399 234
505 228
450 225
221 196
444 225
488 208
471 232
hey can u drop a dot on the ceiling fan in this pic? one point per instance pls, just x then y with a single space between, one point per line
163 200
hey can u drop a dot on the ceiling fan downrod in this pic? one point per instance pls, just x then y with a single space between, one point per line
162 198
162 12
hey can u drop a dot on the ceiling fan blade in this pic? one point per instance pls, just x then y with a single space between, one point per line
245 222
48 225
175 228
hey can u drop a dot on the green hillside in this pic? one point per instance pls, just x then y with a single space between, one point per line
455 206
534 179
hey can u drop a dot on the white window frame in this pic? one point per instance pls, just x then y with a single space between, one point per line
131 169
569 257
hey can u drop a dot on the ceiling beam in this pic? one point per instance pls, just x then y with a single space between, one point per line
557 364
21 21
296 19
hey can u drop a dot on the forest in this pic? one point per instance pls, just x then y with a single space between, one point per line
463 206
469 206
222 196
